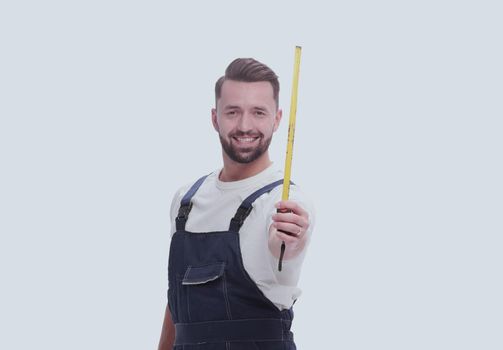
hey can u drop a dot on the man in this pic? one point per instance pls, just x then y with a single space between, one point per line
225 289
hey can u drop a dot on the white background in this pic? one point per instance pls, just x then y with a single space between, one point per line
105 111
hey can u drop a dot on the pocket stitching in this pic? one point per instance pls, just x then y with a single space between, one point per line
219 274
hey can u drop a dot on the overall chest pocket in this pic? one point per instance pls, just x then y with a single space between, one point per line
205 288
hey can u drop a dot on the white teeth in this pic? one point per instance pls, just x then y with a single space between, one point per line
246 139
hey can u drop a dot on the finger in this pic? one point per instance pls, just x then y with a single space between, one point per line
291 218
288 228
293 206
287 238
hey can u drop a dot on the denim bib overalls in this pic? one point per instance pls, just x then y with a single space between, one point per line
214 303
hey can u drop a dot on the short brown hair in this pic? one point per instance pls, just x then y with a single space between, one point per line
248 70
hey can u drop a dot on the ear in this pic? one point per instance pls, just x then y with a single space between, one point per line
214 119
277 119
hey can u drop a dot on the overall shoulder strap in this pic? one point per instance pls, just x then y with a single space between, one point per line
246 207
186 204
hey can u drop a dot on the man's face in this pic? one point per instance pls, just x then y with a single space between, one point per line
245 119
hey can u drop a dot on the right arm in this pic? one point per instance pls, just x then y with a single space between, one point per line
168 332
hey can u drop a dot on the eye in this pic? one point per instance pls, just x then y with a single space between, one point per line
259 113
231 113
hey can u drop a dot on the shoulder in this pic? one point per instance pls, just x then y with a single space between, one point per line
184 189
296 193
206 180
267 202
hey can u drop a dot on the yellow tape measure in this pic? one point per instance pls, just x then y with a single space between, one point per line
291 135
291 124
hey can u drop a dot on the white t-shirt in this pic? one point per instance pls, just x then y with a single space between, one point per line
216 202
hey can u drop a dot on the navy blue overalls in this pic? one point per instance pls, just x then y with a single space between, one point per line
214 303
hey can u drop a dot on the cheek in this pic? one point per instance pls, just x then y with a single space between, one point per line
268 128
221 125
226 130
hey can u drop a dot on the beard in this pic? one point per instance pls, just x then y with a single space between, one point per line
245 155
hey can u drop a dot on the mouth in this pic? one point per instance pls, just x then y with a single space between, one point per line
245 141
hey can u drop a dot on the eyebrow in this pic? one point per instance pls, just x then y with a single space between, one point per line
262 108
231 107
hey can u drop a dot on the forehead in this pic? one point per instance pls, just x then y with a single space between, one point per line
247 93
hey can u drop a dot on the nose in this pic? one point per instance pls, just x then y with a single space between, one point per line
245 123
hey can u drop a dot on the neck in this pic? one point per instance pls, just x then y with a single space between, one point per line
233 171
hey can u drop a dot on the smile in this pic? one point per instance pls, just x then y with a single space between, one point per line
245 139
